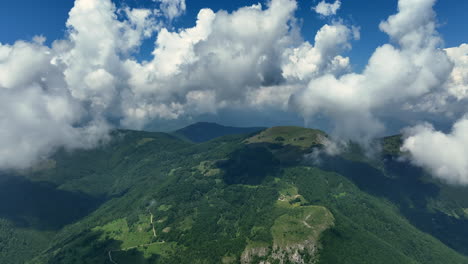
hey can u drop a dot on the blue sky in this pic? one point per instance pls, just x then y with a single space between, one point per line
23 19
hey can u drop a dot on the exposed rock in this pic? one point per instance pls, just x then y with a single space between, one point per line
294 253
250 254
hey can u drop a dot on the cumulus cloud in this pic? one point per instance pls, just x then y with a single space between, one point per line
228 60
221 62
325 9
411 67
93 52
458 83
450 99
37 115
308 61
444 155
172 8
61 96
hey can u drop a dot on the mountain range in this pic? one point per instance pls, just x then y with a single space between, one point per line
214 194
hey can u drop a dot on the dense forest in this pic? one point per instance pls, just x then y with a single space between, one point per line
162 198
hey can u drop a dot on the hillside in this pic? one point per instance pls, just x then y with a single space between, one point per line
156 198
205 131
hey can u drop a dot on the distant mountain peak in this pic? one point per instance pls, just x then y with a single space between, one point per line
205 131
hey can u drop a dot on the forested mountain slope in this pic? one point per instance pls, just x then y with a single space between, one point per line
155 198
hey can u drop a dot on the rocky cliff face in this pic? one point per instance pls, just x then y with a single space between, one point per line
299 253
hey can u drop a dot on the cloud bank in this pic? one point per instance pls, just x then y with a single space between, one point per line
411 67
70 94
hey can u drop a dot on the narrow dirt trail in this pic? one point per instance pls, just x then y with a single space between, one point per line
152 224
305 221
110 257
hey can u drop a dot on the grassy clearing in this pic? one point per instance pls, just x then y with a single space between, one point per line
256 244
186 224
297 225
229 259
136 238
290 198
301 224
143 141
340 195
138 234
207 168
164 207
162 249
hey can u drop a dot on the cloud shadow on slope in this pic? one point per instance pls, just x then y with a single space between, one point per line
41 205
406 189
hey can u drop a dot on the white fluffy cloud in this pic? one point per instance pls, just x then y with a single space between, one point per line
307 61
61 96
220 62
413 67
172 8
445 155
458 84
325 9
37 115
91 57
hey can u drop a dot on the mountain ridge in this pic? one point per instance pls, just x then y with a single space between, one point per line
204 131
